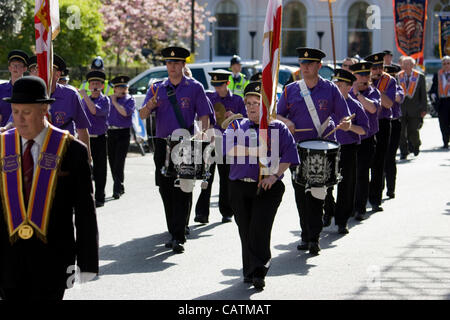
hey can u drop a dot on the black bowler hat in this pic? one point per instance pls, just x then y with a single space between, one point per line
96 75
376 59
392 69
256 77
120 81
18 55
175 54
29 90
219 77
235 60
308 55
253 88
32 61
343 75
361 68
59 63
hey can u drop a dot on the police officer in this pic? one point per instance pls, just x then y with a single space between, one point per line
370 98
176 102
97 106
119 121
390 166
238 81
17 66
349 141
255 212
298 112
97 64
387 86
227 104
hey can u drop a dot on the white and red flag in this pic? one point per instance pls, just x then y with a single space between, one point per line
271 65
46 26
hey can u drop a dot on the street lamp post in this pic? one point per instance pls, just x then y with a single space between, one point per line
253 34
320 34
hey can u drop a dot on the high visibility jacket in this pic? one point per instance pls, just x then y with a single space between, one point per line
238 87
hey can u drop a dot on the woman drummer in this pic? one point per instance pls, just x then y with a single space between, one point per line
255 199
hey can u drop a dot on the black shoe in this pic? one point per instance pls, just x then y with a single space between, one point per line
99 204
403 156
445 146
226 219
326 220
303 245
116 195
377 208
177 246
169 244
259 283
360 216
416 152
390 194
201 219
342 230
314 248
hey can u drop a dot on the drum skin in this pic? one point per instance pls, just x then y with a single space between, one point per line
319 163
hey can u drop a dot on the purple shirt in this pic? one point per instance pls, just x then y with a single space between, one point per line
374 95
391 89
99 123
396 108
287 149
232 102
5 107
360 119
118 120
191 99
327 99
67 111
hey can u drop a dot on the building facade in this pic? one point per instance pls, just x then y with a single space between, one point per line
360 27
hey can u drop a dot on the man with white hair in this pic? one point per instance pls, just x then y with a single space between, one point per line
440 95
414 108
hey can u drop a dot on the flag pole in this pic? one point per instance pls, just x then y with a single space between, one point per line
332 31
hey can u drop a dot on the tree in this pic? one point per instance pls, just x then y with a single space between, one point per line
131 25
11 14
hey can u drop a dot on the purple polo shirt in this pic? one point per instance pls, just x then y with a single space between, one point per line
360 119
396 108
287 149
327 99
5 107
67 111
391 89
374 95
191 99
232 102
99 121
118 120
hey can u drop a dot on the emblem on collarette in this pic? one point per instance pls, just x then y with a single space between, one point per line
25 232
10 163
48 161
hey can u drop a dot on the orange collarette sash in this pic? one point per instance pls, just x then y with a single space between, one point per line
414 80
383 82
443 92
21 221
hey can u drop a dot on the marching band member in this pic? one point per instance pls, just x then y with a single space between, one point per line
387 86
97 106
227 104
369 97
349 141
176 101
119 121
255 212
292 107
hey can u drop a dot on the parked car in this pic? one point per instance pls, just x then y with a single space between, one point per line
3 81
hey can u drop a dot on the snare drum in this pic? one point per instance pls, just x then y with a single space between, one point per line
319 163
184 159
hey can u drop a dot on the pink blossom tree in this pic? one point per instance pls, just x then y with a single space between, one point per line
131 25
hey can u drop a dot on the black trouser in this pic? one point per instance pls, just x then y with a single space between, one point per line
444 119
21 294
390 166
409 136
344 206
177 204
377 169
365 156
99 164
203 202
254 216
118 144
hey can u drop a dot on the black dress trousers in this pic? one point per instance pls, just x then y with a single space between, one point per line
390 166
99 161
365 156
118 144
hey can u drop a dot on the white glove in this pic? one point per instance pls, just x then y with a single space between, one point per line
319 192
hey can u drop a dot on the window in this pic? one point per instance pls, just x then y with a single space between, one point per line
294 28
199 75
359 36
227 29
441 7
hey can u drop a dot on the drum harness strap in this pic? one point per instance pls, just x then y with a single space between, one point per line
176 108
320 128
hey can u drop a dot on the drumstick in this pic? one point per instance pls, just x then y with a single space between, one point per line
334 130
303 130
